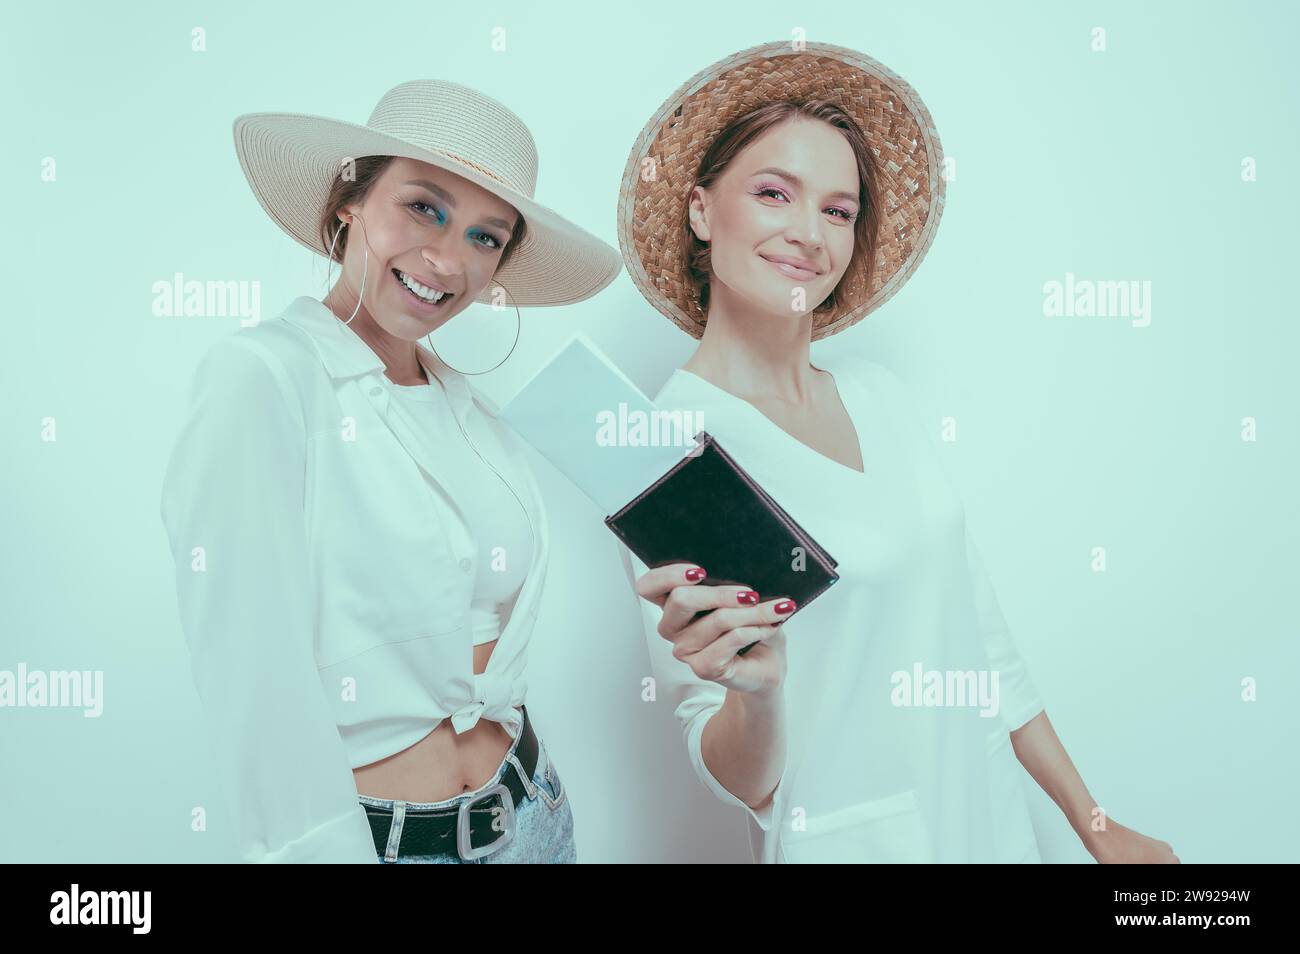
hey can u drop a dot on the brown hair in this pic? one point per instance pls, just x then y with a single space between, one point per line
344 192
745 129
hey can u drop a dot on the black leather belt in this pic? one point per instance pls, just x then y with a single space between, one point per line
471 829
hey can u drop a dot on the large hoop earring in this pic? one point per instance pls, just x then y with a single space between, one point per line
365 267
518 324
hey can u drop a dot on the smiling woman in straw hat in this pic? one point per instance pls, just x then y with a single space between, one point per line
360 546
778 197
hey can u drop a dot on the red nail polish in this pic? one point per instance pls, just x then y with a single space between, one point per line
695 574
747 597
785 606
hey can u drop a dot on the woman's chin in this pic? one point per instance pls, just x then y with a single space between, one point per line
781 305
405 326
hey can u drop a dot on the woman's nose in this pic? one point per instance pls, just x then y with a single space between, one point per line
440 259
805 226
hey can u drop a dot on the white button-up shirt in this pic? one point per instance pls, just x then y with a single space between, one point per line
323 587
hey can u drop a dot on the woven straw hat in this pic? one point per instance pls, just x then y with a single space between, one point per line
291 160
897 126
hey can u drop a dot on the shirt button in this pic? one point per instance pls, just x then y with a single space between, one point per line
376 391
465 564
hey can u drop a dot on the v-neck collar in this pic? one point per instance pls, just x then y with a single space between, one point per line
756 412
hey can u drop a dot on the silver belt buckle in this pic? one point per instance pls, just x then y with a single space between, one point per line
467 851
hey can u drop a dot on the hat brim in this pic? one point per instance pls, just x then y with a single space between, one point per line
292 159
897 126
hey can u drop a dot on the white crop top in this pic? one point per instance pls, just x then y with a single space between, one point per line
499 523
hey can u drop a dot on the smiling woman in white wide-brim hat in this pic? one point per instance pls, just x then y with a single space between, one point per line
375 540
292 159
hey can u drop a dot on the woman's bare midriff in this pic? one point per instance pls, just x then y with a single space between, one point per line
442 764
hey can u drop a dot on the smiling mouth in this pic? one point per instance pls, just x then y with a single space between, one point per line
427 304
791 271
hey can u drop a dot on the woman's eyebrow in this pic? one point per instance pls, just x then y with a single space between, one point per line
447 197
798 183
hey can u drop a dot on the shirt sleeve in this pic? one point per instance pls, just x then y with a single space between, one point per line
233 506
1018 697
694 700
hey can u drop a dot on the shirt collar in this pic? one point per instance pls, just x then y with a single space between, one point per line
346 355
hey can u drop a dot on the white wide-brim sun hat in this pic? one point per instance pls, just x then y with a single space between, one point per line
291 160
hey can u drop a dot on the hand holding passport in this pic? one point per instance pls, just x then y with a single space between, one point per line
671 498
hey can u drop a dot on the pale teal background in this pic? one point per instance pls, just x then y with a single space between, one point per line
1073 433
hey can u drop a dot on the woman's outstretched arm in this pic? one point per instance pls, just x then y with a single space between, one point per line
1045 758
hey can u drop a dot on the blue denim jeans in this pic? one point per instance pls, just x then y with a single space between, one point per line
543 821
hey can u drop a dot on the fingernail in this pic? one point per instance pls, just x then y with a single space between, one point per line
695 573
748 597
785 606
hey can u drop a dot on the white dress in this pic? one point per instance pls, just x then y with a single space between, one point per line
894 755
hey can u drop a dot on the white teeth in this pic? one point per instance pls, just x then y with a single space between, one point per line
428 294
